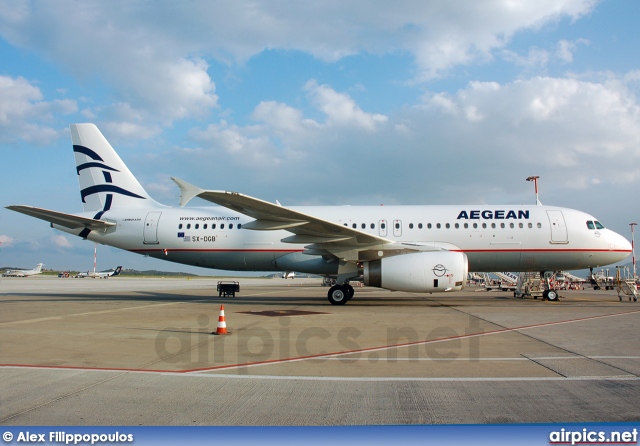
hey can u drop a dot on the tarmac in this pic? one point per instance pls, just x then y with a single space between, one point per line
127 351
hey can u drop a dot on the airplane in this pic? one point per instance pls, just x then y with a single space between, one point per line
98 275
23 272
289 275
421 249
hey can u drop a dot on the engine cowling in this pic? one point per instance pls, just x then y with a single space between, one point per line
422 272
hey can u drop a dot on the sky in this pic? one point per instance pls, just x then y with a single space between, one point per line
319 102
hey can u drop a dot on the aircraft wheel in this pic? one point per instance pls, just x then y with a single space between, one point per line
552 295
338 295
350 291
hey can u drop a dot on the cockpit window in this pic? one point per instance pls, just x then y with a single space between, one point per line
594 225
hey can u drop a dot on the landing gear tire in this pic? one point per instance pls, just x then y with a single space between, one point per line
552 295
350 291
338 295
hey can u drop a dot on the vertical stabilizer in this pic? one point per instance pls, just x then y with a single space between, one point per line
105 181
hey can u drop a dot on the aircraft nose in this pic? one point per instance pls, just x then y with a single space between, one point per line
620 244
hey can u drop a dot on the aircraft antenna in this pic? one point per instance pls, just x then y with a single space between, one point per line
535 182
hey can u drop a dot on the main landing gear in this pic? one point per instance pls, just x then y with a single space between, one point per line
551 295
340 294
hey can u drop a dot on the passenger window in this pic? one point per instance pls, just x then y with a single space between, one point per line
598 225
410 225
373 225
180 226
428 225
383 226
239 226
222 226
493 225
354 226
188 225
197 226
447 226
484 225
231 226
502 225
530 225
438 225
419 225
213 226
363 226
466 225
457 225
539 225
590 225
204 226
397 225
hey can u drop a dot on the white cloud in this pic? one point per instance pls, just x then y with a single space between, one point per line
61 242
154 58
535 58
282 119
550 124
565 49
6 241
560 129
23 112
340 109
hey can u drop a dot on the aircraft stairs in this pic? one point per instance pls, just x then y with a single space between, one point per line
572 277
626 284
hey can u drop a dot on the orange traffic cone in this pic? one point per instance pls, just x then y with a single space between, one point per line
222 323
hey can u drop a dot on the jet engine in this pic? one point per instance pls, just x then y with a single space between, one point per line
422 272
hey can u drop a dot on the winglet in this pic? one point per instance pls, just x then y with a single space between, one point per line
187 190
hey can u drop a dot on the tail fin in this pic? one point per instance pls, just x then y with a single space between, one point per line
105 181
38 268
117 271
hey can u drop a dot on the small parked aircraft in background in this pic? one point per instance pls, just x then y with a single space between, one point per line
23 272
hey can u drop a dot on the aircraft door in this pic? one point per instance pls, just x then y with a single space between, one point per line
150 232
382 225
558 227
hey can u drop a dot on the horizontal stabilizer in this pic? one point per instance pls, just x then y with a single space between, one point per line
59 218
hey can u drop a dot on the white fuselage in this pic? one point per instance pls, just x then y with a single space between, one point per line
494 238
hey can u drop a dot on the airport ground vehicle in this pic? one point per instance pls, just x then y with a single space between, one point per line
228 288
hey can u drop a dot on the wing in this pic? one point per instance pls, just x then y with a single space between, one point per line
323 236
59 218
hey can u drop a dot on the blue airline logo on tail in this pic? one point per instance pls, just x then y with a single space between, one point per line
110 187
